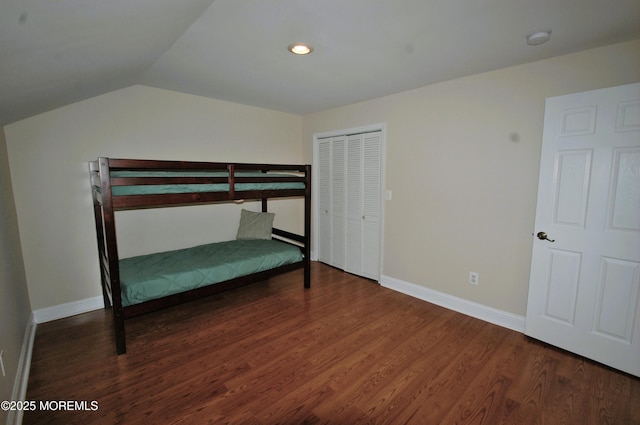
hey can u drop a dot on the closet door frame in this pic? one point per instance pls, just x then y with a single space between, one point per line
317 137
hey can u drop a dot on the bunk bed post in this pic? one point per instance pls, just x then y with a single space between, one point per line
264 200
97 214
231 169
307 227
111 246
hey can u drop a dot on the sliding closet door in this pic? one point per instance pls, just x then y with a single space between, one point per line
349 202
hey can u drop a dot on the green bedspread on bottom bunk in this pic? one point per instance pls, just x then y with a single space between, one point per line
151 276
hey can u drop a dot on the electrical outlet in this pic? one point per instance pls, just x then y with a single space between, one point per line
2 362
474 278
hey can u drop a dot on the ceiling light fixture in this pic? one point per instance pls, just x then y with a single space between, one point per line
538 37
300 49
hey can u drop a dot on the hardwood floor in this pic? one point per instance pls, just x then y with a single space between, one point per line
346 351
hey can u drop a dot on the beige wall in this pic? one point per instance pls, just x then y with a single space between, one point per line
48 154
15 311
462 161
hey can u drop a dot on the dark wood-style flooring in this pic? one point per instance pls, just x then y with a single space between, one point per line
347 351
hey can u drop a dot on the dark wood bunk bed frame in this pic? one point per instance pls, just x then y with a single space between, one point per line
105 206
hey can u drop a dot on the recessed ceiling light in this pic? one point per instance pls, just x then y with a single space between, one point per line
300 49
538 37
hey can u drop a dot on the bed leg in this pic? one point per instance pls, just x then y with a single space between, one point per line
307 227
118 322
307 275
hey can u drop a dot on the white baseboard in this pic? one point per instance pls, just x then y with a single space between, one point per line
470 308
48 314
19 392
69 309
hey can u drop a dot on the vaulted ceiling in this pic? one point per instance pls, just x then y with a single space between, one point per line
56 52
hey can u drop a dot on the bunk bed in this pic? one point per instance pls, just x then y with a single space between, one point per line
126 184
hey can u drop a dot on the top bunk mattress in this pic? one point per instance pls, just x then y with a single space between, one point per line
156 189
151 276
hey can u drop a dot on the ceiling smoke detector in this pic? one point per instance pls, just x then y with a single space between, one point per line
538 37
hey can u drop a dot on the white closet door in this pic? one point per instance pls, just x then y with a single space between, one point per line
363 204
349 202
371 200
338 200
324 201
354 205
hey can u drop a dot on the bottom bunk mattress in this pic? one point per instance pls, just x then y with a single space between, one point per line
158 275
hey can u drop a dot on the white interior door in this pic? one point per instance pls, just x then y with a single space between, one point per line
584 290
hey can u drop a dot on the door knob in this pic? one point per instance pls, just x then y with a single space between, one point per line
543 235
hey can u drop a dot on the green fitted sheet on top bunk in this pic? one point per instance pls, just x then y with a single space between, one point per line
158 275
193 188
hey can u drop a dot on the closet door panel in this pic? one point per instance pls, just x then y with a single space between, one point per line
324 201
338 201
354 177
371 204
371 184
353 263
370 250
354 205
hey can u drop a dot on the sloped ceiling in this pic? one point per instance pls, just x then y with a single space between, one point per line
53 53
